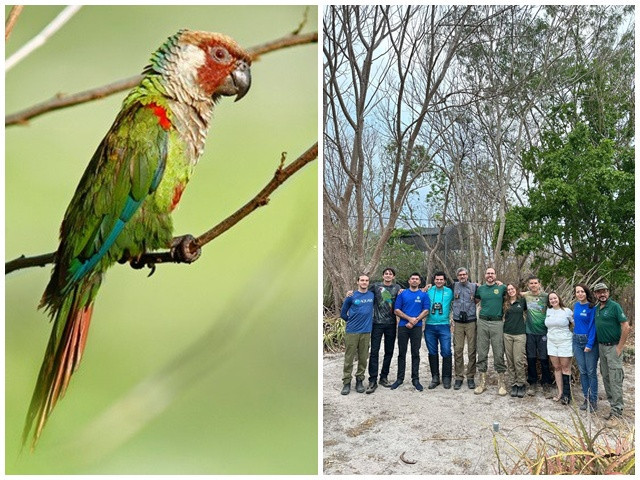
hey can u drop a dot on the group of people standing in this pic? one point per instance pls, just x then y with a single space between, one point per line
525 327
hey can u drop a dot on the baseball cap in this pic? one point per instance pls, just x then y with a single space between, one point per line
600 286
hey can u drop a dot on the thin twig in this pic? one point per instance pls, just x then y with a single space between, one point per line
42 37
62 101
15 12
281 175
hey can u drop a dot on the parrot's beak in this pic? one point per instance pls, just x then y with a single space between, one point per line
237 82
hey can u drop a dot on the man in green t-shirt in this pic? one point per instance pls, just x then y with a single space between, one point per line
537 338
491 296
612 330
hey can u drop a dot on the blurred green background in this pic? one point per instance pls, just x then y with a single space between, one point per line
221 355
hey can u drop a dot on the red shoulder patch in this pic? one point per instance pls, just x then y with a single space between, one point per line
161 113
177 194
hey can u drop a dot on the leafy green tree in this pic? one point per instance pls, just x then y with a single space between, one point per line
581 204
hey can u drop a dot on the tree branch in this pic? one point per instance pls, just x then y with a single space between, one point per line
62 101
15 12
281 175
42 37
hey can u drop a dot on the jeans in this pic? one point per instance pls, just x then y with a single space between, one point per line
438 333
404 335
389 332
587 365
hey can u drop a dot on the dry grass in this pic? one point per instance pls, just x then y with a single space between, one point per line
554 450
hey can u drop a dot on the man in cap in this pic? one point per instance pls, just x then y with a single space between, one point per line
612 330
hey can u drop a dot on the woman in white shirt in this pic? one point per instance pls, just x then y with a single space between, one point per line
559 345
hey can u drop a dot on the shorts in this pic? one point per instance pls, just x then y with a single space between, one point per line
560 347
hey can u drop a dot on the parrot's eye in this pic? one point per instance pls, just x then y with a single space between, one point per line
220 54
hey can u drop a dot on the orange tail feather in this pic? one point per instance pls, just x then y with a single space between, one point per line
61 360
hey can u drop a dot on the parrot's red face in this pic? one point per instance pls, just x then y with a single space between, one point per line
222 66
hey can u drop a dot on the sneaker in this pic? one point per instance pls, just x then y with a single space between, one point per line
521 391
514 391
548 391
416 384
471 383
372 387
584 405
532 390
384 382
395 385
346 389
457 384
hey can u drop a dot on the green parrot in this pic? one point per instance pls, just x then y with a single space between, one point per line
122 205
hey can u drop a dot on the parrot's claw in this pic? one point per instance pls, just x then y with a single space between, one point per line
185 249
138 263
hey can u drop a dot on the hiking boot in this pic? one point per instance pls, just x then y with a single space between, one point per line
514 391
481 384
359 386
346 389
584 405
611 414
372 387
502 390
532 390
384 382
521 391
547 390
471 383
457 384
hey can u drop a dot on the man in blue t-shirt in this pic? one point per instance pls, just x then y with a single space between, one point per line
438 331
411 307
357 311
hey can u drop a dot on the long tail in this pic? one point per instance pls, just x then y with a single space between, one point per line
63 354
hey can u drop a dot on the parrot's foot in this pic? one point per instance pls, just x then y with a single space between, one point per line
185 249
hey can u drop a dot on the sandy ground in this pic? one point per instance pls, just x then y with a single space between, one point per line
442 431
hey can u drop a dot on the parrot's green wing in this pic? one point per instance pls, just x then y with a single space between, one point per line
127 167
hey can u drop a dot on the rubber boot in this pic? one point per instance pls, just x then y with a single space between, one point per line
446 372
482 382
434 365
502 390
566 389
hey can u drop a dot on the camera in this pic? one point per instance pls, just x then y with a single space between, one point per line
463 316
437 308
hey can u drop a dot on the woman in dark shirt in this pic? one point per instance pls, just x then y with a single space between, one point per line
515 340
